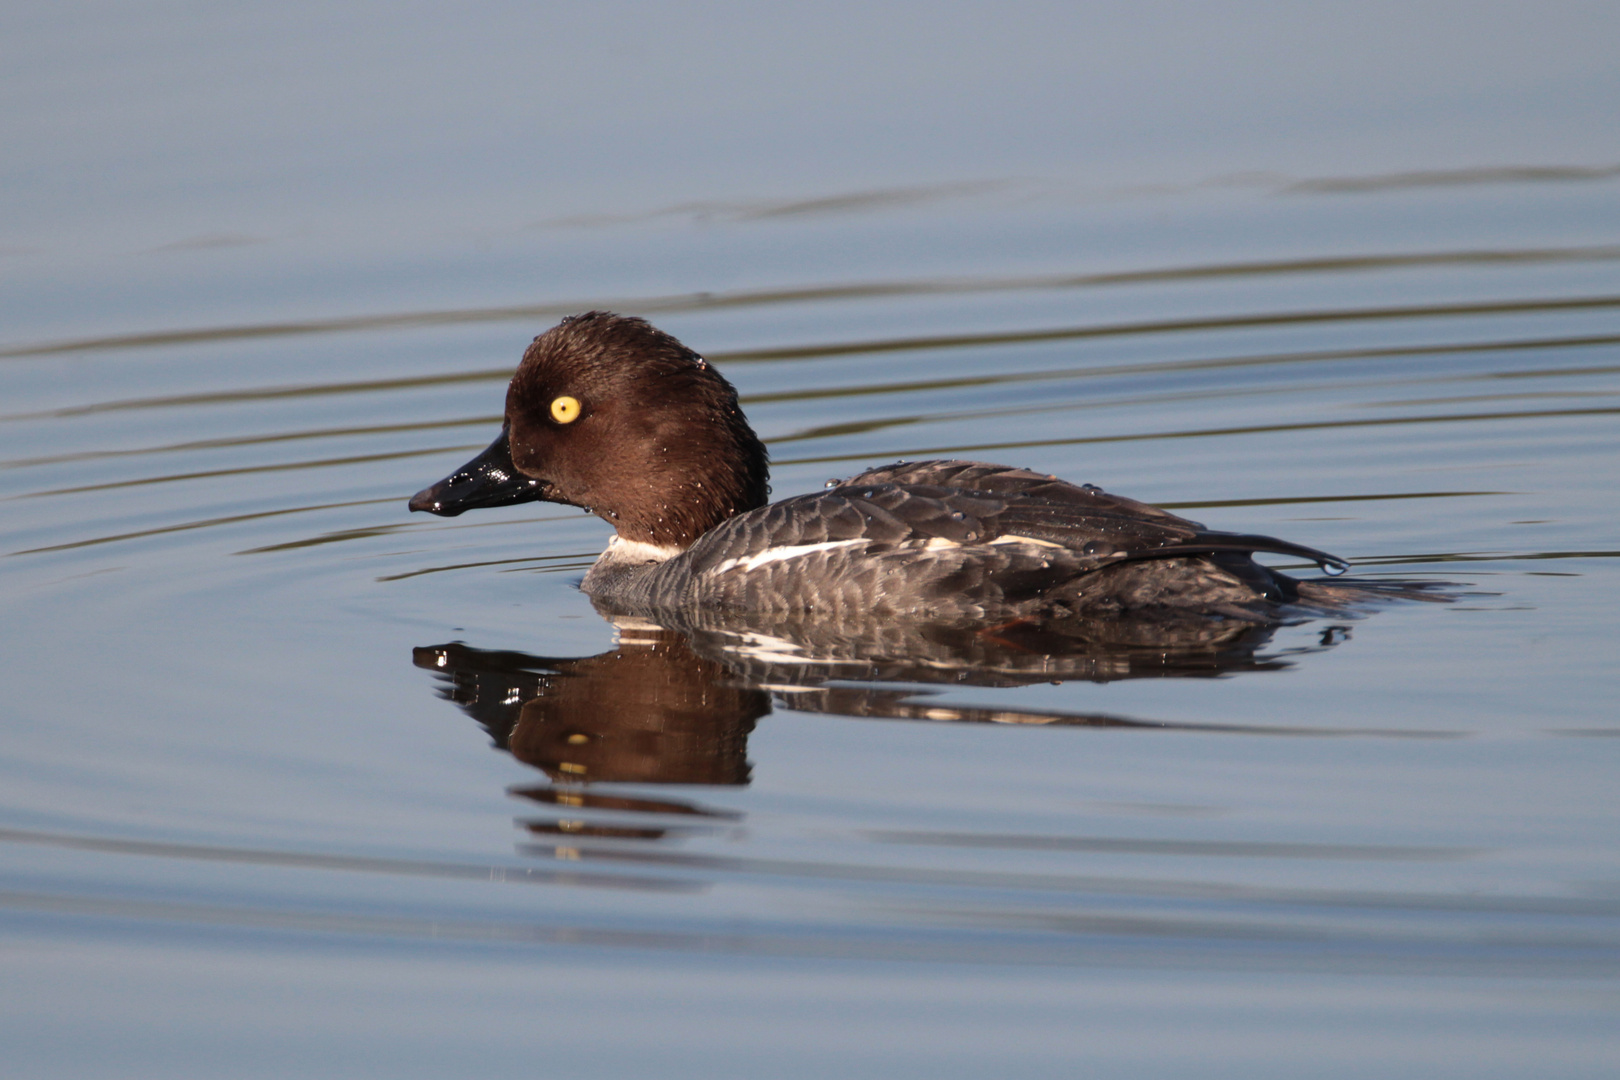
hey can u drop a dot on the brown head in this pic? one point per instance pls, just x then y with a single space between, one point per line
611 414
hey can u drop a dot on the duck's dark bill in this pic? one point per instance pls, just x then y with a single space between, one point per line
490 479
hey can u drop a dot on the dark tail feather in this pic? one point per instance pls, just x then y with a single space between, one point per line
1238 543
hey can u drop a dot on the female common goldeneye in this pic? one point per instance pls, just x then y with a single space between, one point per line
612 415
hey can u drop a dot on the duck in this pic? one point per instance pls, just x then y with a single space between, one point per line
608 413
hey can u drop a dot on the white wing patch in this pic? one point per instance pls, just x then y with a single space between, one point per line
780 554
748 563
1013 538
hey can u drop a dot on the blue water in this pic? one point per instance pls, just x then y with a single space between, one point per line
1349 278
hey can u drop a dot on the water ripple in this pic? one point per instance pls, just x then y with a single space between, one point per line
823 293
1204 433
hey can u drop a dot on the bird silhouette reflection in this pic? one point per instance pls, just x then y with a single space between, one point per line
676 704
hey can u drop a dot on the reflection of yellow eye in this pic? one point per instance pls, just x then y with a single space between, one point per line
565 410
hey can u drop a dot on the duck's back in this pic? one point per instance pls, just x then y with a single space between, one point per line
960 539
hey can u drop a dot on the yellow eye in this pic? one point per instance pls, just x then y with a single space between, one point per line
565 410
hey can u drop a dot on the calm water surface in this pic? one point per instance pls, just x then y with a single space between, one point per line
294 780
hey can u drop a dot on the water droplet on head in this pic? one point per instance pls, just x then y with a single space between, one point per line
1333 567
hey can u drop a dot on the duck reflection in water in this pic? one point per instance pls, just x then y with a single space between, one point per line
676 705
